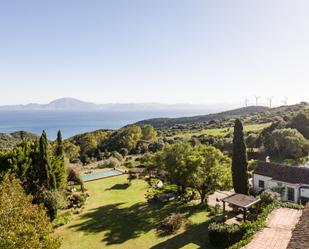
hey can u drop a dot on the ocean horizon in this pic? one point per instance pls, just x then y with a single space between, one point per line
75 122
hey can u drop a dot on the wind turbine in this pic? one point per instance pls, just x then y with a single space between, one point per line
270 100
257 99
285 101
246 102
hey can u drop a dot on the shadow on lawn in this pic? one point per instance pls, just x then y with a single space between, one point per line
118 186
124 223
194 234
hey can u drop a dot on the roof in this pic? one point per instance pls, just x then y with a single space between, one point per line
240 200
300 235
284 173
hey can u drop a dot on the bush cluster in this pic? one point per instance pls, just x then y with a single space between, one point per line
77 200
224 235
172 223
111 162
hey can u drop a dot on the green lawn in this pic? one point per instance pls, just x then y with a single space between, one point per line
222 131
117 216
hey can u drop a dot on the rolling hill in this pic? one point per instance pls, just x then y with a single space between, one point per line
9 140
240 112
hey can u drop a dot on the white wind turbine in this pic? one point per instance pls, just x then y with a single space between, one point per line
246 102
257 99
270 101
285 101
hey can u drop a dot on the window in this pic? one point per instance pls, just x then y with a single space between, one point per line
261 184
291 194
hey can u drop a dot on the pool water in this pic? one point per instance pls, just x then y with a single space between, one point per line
99 175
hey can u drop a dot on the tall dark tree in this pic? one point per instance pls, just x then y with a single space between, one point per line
59 151
239 160
45 173
59 163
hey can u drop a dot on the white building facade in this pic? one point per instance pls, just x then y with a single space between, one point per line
291 181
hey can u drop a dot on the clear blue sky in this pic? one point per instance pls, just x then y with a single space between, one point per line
171 51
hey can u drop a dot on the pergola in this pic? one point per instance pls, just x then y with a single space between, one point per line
240 201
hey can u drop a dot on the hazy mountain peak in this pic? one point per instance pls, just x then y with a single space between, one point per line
69 103
79 105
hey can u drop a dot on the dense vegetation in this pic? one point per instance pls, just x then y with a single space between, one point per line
23 225
203 119
262 129
9 141
201 168
192 158
253 114
263 132
41 169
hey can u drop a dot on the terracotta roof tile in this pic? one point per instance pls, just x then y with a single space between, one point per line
300 235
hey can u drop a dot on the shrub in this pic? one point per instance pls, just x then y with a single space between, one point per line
173 222
268 197
62 219
111 162
73 175
53 201
128 164
153 193
153 182
124 152
118 156
216 210
224 235
252 164
77 200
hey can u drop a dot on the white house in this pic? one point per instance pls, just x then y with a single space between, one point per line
291 181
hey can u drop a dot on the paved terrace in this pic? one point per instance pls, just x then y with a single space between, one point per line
278 232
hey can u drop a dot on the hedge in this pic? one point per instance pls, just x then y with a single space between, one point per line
253 227
235 236
224 235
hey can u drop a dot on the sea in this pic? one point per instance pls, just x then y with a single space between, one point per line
75 122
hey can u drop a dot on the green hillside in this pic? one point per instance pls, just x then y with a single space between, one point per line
9 140
252 114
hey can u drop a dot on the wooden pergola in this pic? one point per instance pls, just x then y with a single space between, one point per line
240 201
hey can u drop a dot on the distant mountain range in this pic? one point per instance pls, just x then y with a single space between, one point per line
71 104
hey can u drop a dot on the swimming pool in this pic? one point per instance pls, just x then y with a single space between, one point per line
99 175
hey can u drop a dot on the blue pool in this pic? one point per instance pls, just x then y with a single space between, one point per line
99 175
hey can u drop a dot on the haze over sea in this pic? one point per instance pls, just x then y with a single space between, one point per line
74 122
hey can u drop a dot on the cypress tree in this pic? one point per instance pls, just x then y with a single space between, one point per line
45 173
59 151
59 164
239 160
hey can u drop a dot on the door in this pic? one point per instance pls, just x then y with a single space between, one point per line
291 194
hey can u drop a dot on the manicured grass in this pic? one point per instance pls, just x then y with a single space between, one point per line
222 131
117 216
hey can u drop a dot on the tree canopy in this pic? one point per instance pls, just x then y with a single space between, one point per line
203 168
287 144
23 224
